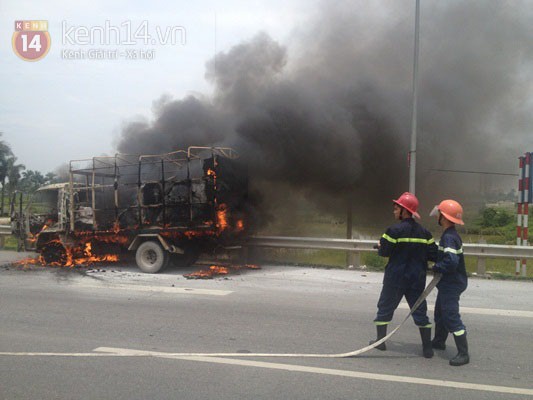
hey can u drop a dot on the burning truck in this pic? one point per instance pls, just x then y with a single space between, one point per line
161 208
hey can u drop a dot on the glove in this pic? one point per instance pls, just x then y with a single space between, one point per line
376 246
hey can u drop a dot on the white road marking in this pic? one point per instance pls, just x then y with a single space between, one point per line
484 311
326 371
158 289
118 352
34 354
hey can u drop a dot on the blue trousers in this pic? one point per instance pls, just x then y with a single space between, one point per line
390 298
447 311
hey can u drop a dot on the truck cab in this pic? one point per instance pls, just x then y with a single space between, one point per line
44 216
43 212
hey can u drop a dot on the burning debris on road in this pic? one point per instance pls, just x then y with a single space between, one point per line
68 257
217 270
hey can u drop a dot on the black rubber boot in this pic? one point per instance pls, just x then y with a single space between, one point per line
425 334
441 334
381 332
462 356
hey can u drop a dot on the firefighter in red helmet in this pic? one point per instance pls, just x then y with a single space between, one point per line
408 246
451 264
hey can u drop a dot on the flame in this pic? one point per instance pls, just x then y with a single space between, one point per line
103 237
216 270
87 250
222 209
222 217
29 261
72 256
239 226
89 257
193 234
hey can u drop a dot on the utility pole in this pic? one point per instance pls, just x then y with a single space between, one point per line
412 150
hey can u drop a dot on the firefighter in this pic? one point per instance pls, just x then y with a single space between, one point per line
408 246
451 264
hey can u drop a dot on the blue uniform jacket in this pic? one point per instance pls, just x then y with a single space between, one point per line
451 262
409 246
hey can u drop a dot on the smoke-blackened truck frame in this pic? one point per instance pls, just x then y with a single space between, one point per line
166 207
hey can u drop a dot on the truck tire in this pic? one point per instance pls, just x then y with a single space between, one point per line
54 253
151 257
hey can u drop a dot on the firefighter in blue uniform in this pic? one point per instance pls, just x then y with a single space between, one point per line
451 264
408 246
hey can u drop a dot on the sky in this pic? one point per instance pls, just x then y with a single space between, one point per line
59 109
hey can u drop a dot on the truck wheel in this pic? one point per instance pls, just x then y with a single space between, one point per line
54 253
151 257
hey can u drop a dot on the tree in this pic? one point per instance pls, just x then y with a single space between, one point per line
51 177
33 180
13 174
495 217
14 177
5 154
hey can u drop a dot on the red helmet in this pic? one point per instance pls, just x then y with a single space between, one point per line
451 210
409 202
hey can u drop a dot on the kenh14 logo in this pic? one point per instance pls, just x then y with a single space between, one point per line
31 40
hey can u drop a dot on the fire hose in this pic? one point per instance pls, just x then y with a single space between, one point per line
354 353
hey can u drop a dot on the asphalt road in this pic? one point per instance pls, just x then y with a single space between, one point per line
73 333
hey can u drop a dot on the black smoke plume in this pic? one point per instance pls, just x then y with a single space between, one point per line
329 114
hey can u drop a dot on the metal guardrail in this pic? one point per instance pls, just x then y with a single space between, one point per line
357 246
5 229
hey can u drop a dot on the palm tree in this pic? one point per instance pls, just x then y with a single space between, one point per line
5 153
32 180
50 177
13 174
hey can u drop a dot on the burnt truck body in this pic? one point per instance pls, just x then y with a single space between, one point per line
166 207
